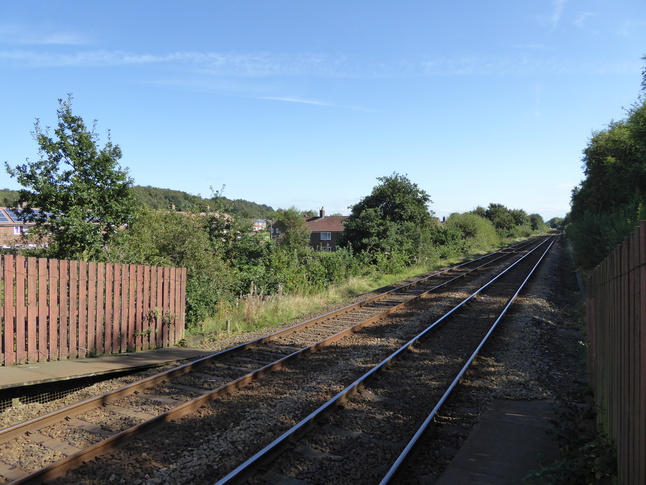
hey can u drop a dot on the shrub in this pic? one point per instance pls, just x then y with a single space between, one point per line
474 231
163 238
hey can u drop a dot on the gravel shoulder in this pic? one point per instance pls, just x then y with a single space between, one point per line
537 353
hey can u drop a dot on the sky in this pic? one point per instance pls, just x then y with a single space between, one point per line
305 103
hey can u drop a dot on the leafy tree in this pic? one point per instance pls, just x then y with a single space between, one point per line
556 223
76 194
394 218
294 232
612 197
611 162
480 211
536 222
166 238
520 217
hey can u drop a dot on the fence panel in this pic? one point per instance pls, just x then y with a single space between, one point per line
616 320
51 309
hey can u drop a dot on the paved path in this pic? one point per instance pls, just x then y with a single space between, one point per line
509 442
30 374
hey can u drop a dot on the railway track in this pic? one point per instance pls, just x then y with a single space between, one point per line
367 331
368 432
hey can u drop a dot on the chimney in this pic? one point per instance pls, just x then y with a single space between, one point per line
322 213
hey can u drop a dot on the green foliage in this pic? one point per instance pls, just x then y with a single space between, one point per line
556 223
537 223
511 223
502 219
8 198
392 223
76 194
586 455
166 199
611 199
472 231
164 238
294 234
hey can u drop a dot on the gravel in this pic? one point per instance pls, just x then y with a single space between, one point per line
536 354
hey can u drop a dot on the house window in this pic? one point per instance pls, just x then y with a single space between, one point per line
18 230
326 236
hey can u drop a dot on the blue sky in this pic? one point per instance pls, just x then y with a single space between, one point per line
305 103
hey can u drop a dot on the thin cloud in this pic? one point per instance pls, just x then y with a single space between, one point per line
249 64
22 35
316 103
559 6
212 65
552 20
521 66
581 21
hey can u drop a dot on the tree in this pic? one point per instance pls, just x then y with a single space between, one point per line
501 218
76 194
537 223
294 231
612 197
393 218
168 238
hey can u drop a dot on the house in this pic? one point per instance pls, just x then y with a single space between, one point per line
259 225
12 228
325 231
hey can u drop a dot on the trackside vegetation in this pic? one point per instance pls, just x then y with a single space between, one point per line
239 279
609 202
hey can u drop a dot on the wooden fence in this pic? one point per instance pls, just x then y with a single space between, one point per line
53 309
616 319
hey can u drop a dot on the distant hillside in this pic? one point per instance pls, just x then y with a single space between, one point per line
8 197
155 198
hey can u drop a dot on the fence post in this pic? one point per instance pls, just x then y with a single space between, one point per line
72 289
21 311
9 310
32 310
43 320
82 310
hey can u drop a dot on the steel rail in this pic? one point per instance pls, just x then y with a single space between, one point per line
396 469
58 468
12 432
275 448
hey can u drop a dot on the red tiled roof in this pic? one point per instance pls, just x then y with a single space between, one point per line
325 224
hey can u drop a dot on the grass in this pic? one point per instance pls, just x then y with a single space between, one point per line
257 311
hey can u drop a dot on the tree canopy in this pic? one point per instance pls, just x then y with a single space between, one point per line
76 194
511 222
394 217
294 232
612 197
167 199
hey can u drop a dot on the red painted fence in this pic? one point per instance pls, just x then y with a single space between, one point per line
53 309
616 319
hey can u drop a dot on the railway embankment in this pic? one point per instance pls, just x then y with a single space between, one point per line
535 357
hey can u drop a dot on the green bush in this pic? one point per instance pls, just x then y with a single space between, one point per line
472 231
594 235
163 238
